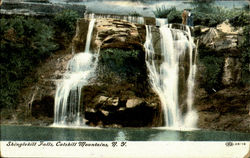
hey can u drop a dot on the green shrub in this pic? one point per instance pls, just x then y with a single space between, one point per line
24 43
213 73
241 19
212 76
162 12
173 15
66 21
245 59
208 14
123 62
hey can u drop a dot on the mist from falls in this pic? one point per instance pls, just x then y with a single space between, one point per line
68 92
164 73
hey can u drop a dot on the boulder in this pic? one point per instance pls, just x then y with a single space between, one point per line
227 28
223 37
132 103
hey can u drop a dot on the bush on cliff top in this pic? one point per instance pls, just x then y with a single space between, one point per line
172 14
24 43
206 14
66 21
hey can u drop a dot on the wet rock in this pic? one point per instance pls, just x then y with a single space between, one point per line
105 113
113 101
102 99
120 110
132 103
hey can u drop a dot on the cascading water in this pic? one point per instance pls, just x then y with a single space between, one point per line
68 93
131 19
191 116
161 21
164 74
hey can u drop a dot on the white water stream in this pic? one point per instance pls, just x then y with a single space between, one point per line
164 74
128 18
68 93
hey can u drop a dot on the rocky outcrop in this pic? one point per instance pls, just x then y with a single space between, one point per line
225 107
223 37
120 94
120 110
223 41
110 33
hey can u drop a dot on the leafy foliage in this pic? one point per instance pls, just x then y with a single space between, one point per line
123 62
173 15
213 69
66 21
134 14
242 19
24 43
206 13
214 15
245 59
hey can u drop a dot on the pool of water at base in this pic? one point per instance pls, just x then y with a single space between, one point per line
38 133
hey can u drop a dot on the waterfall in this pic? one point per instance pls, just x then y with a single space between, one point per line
161 21
164 73
128 18
191 116
68 92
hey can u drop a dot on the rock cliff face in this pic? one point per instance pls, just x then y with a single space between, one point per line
223 103
120 94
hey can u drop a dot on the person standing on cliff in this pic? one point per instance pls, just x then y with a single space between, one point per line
184 17
190 21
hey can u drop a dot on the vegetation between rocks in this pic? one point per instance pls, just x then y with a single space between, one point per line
121 61
26 42
245 58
